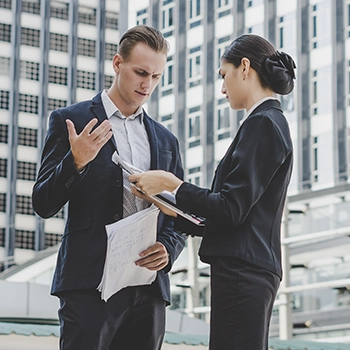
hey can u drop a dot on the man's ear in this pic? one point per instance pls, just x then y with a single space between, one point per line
117 59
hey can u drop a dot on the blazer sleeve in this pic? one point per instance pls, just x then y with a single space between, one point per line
257 155
173 240
57 176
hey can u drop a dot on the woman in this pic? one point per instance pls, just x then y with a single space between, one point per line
243 209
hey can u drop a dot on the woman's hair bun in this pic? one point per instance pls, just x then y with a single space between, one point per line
279 70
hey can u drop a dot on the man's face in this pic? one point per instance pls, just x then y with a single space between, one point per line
137 77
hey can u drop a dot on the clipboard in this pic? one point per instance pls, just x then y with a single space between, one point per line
165 198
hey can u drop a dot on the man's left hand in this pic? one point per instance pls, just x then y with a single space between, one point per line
154 258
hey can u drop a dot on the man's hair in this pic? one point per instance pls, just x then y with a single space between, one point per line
142 34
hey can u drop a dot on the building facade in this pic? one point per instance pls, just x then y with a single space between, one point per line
54 53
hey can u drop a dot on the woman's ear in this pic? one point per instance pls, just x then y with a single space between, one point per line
245 64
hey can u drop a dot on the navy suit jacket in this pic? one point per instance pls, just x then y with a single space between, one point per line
245 204
95 197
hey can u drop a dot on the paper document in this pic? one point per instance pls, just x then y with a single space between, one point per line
126 239
165 198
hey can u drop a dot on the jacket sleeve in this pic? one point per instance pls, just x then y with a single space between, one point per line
173 240
257 155
57 176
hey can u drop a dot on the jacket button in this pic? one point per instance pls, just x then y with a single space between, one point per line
116 217
118 183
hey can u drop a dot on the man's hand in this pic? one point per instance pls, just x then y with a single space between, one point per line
154 258
88 143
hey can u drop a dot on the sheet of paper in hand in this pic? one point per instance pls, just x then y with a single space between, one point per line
126 239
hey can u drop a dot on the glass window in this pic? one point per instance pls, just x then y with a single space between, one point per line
28 137
86 80
5 32
4 133
141 17
4 99
26 171
52 239
112 20
5 65
25 239
3 167
110 51
24 205
58 75
59 10
54 103
28 103
86 47
5 4
87 15
59 42
29 70
31 7
2 202
30 37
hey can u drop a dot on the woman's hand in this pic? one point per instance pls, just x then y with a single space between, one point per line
155 181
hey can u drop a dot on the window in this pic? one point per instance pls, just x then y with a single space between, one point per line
168 121
28 103
54 103
59 10
25 239
86 80
141 17
110 51
223 3
30 37
194 8
86 47
3 202
5 65
87 15
167 83
3 167
314 98
4 133
31 7
195 66
112 20
194 127
58 75
27 137
5 32
29 70
108 81
168 16
5 4
52 239
24 205
59 42
223 43
314 158
2 243
194 176
25 171
4 99
223 124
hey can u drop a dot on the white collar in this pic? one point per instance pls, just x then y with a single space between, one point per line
251 109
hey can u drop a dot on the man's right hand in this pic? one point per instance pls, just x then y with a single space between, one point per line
88 143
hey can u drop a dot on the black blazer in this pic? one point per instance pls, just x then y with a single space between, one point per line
245 204
95 197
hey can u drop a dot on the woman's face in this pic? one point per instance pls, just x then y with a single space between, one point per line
232 84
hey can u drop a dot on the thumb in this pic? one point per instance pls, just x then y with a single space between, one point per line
71 129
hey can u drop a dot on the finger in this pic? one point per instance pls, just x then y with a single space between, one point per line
89 126
101 131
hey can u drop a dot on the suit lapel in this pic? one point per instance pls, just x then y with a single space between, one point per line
98 110
153 141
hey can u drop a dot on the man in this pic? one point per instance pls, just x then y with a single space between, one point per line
77 168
